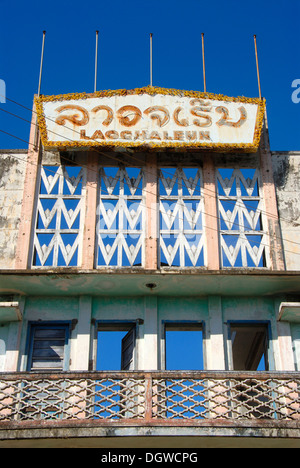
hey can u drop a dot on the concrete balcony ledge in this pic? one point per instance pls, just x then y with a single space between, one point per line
10 312
93 434
135 282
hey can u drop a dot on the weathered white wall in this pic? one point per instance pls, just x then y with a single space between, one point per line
286 167
295 329
3 346
12 174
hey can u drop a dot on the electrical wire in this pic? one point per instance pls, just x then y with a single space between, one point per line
222 232
260 232
229 200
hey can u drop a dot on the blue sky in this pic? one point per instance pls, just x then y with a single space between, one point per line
124 28
123 61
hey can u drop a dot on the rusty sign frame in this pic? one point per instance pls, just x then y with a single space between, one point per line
84 141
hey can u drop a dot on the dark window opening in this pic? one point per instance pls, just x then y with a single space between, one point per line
250 347
48 347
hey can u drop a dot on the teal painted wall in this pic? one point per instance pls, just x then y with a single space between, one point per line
151 312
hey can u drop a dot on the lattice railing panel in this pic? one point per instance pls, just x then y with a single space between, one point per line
155 396
65 398
229 399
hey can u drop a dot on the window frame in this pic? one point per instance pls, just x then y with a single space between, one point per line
182 325
253 323
57 253
66 325
120 201
241 231
181 230
116 325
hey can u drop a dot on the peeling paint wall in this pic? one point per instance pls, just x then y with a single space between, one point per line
286 167
12 174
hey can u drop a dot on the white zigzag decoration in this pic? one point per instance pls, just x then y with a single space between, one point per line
179 177
60 210
232 220
183 246
119 245
180 221
237 175
241 222
245 247
119 215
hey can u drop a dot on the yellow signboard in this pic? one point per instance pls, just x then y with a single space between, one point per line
150 117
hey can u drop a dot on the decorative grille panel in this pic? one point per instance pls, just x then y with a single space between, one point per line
235 398
181 217
59 225
243 240
121 217
72 398
153 396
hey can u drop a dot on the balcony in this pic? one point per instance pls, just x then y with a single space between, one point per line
186 402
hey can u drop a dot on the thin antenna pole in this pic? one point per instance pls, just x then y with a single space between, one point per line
203 60
96 62
39 87
41 65
257 67
151 71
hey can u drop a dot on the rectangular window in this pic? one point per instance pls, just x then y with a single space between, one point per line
182 396
181 217
116 351
184 346
121 217
295 329
116 347
48 348
250 352
59 223
48 351
250 343
243 240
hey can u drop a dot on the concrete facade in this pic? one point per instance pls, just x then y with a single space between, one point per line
150 295
12 175
286 168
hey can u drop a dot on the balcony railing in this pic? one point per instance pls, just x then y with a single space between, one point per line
169 397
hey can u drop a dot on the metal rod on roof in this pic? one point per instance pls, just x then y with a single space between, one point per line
203 60
96 62
257 67
40 83
41 65
151 70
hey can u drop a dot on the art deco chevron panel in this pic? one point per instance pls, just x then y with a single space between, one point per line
59 221
244 243
181 217
121 217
